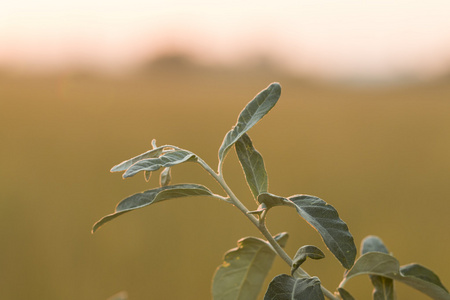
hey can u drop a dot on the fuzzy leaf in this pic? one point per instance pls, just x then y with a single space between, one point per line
285 287
324 218
128 163
165 177
345 295
244 269
385 265
269 200
146 198
281 238
423 273
250 115
383 286
253 165
167 160
147 175
306 251
373 243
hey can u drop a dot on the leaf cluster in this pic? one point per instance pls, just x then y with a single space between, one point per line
245 268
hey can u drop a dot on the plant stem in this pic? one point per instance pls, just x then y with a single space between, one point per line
280 251
260 225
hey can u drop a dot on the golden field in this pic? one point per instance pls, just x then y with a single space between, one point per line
380 156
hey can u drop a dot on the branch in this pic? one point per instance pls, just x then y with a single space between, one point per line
260 225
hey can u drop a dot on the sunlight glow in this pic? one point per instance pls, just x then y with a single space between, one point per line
320 38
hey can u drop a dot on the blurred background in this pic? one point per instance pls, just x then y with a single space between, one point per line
363 123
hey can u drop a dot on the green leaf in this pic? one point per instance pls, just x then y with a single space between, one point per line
373 243
250 115
421 272
153 196
147 175
128 163
269 200
167 160
324 218
306 251
281 238
165 177
285 287
385 265
244 269
345 295
383 286
253 165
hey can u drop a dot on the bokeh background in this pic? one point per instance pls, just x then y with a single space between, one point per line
363 122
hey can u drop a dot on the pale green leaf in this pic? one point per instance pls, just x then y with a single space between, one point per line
306 251
281 238
153 196
345 295
385 265
165 177
383 286
423 273
324 218
373 243
156 152
244 269
285 287
250 115
253 165
269 200
147 175
167 160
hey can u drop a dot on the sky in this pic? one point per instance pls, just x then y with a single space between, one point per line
372 38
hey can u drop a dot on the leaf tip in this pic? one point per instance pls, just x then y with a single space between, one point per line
97 225
94 228
372 243
276 85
